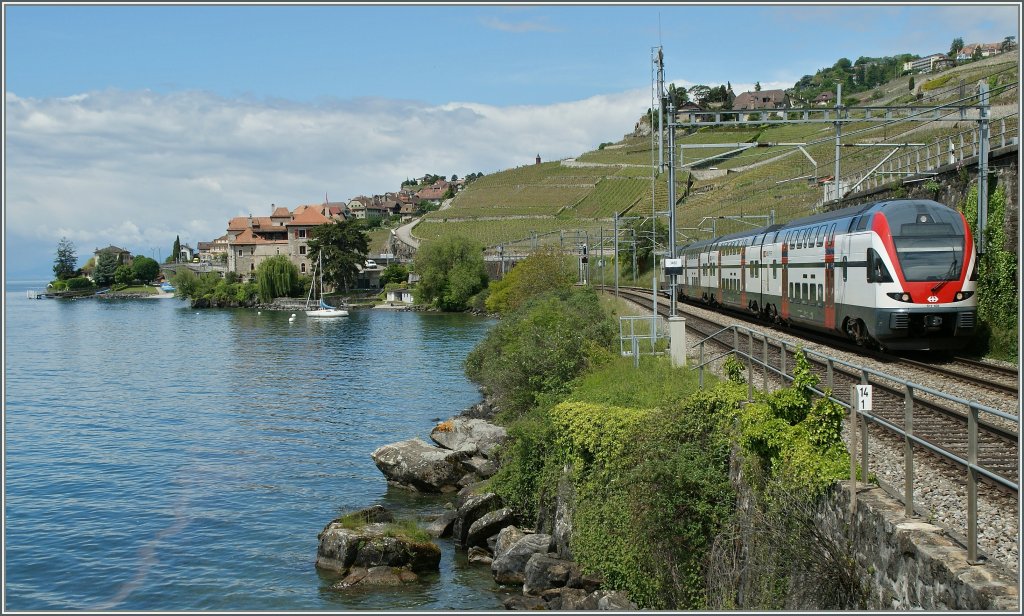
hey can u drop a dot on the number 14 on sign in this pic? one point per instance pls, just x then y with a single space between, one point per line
863 397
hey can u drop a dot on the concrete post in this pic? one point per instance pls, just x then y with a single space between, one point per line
677 340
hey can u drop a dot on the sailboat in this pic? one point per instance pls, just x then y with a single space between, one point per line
321 308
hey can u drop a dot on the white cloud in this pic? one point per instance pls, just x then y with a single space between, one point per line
135 169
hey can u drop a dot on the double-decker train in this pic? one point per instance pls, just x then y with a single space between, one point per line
897 274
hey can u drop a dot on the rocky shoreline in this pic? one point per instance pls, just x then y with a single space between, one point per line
365 553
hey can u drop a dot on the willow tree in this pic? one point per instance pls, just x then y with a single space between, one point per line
276 277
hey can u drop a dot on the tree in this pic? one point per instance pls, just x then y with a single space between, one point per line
700 94
455 178
539 273
175 250
955 47
344 246
976 54
276 277
645 241
66 263
145 269
757 87
106 268
910 84
1007 44
451 272
124 274
843 64
396 273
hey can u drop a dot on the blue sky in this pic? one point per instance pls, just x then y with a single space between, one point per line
129 125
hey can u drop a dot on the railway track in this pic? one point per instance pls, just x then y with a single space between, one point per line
931 419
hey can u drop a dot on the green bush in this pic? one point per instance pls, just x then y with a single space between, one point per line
79 283
541 272
539 349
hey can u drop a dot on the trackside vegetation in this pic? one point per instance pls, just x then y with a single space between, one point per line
998 294
645 455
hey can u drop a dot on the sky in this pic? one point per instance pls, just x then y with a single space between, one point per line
129 125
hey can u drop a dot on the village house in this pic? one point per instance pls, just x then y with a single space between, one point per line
368 208
987 50
825 99
123 256
764 99
251 239
435 192
215 251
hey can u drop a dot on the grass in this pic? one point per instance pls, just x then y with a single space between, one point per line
402 529
134 289
655 384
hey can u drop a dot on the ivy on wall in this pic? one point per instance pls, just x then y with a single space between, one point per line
998 293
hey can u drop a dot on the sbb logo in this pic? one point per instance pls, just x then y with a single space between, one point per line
933 298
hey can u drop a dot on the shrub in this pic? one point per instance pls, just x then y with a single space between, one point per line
548 270
79 283
540 348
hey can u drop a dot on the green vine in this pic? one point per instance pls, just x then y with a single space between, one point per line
998 294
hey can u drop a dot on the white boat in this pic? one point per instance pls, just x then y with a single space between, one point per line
322 309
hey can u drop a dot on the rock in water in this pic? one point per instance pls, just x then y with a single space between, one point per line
417 465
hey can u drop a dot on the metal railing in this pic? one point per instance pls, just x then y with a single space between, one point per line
634 337
859 419
950 150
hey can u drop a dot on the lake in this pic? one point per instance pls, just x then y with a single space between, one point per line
164 458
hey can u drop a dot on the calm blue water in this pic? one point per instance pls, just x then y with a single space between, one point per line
163 458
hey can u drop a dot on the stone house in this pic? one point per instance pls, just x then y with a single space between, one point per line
764 99
123 256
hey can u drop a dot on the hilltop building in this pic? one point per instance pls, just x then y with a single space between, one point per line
764 99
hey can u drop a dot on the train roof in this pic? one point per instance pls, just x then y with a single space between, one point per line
846 212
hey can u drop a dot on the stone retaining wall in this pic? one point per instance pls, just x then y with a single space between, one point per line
912 564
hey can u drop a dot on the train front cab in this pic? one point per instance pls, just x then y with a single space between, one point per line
902 275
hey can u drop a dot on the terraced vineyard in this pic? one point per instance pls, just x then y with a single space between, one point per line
585 192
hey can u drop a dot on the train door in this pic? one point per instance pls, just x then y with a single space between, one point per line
717 275
830 278
784 291
842 257
743 275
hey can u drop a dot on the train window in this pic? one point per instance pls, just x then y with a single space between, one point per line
790 292
844 268
821 294
803 292
863 224
853 224
775 270
877 271
821 235
832 232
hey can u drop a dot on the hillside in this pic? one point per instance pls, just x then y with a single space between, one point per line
560 202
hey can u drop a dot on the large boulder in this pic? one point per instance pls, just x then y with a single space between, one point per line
441 526
346 544
417 465
472 436
544 571
488 525
509 565
506 538
474 508
376 576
